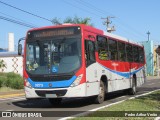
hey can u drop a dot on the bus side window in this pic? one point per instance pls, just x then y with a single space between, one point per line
102 48
89 52
141 55
121 51
129 53
135 54
113 49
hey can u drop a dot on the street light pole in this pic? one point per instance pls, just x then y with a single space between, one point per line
148 35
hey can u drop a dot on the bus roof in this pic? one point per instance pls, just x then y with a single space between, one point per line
90 28
120 38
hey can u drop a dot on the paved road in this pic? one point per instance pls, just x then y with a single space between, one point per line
70 106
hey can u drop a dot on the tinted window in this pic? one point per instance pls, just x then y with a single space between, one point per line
102 48
90 51
113 49
141 55
129 53
121 51
135 54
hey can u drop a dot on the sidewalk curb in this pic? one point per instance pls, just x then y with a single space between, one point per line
21 93
11 95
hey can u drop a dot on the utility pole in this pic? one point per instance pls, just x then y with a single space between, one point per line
148 33
107 23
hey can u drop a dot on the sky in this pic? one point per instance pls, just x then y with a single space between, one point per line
132 18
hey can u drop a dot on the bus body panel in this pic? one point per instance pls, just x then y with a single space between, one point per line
119 74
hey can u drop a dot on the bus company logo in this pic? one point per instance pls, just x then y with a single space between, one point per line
6 114
50 84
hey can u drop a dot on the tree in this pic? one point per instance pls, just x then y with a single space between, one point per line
75 20
2 64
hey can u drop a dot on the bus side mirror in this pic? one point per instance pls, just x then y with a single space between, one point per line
19 49
20 46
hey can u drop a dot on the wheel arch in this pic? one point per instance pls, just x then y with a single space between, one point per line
104 79
134 77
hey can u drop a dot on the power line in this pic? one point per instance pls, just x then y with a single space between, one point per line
89 5
16 22
25 11
80 8
17 19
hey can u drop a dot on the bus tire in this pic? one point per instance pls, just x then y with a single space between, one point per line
133 89
101 96
55 101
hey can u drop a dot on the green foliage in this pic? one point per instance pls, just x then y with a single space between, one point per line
56 21
2 80
2 64
74 20
15 80
11 80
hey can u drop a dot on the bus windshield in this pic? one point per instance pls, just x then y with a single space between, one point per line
53 55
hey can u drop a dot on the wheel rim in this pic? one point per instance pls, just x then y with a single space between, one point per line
134 86
101 94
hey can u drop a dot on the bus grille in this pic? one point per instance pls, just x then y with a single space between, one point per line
50 78
42 93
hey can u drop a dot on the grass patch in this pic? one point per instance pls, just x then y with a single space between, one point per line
144 104
7 89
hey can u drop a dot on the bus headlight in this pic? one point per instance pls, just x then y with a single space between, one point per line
77 81
27 84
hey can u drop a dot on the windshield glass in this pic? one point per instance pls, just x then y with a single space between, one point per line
53 56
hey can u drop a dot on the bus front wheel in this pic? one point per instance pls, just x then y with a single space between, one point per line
101 96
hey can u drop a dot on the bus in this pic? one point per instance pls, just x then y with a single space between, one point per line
76 60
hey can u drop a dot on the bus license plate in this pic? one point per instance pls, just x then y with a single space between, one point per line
51 95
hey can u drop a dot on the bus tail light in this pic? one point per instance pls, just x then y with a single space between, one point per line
77 81
26 83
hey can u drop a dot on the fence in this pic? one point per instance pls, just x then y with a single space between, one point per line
13 62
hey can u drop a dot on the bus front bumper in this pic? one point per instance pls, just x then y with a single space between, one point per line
77 91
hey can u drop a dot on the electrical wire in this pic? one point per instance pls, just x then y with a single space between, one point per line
18 19
91 6
80 8
16 22
25 11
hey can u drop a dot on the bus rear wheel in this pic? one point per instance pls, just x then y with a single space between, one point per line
133 89
55 101
101 96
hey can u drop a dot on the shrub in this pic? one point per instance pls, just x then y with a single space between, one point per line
7 82
2 64
1 82
3 79
11 80
14 81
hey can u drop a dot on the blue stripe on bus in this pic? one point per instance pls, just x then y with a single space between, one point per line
124 74
54 84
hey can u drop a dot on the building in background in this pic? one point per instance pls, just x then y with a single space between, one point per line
148 47
11 42
157 59
3 50
13 62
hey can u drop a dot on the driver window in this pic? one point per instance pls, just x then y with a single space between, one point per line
89 52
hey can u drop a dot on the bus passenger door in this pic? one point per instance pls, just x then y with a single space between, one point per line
91 73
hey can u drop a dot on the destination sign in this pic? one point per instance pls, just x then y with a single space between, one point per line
54 32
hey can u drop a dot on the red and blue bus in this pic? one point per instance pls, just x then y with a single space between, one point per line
76 60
